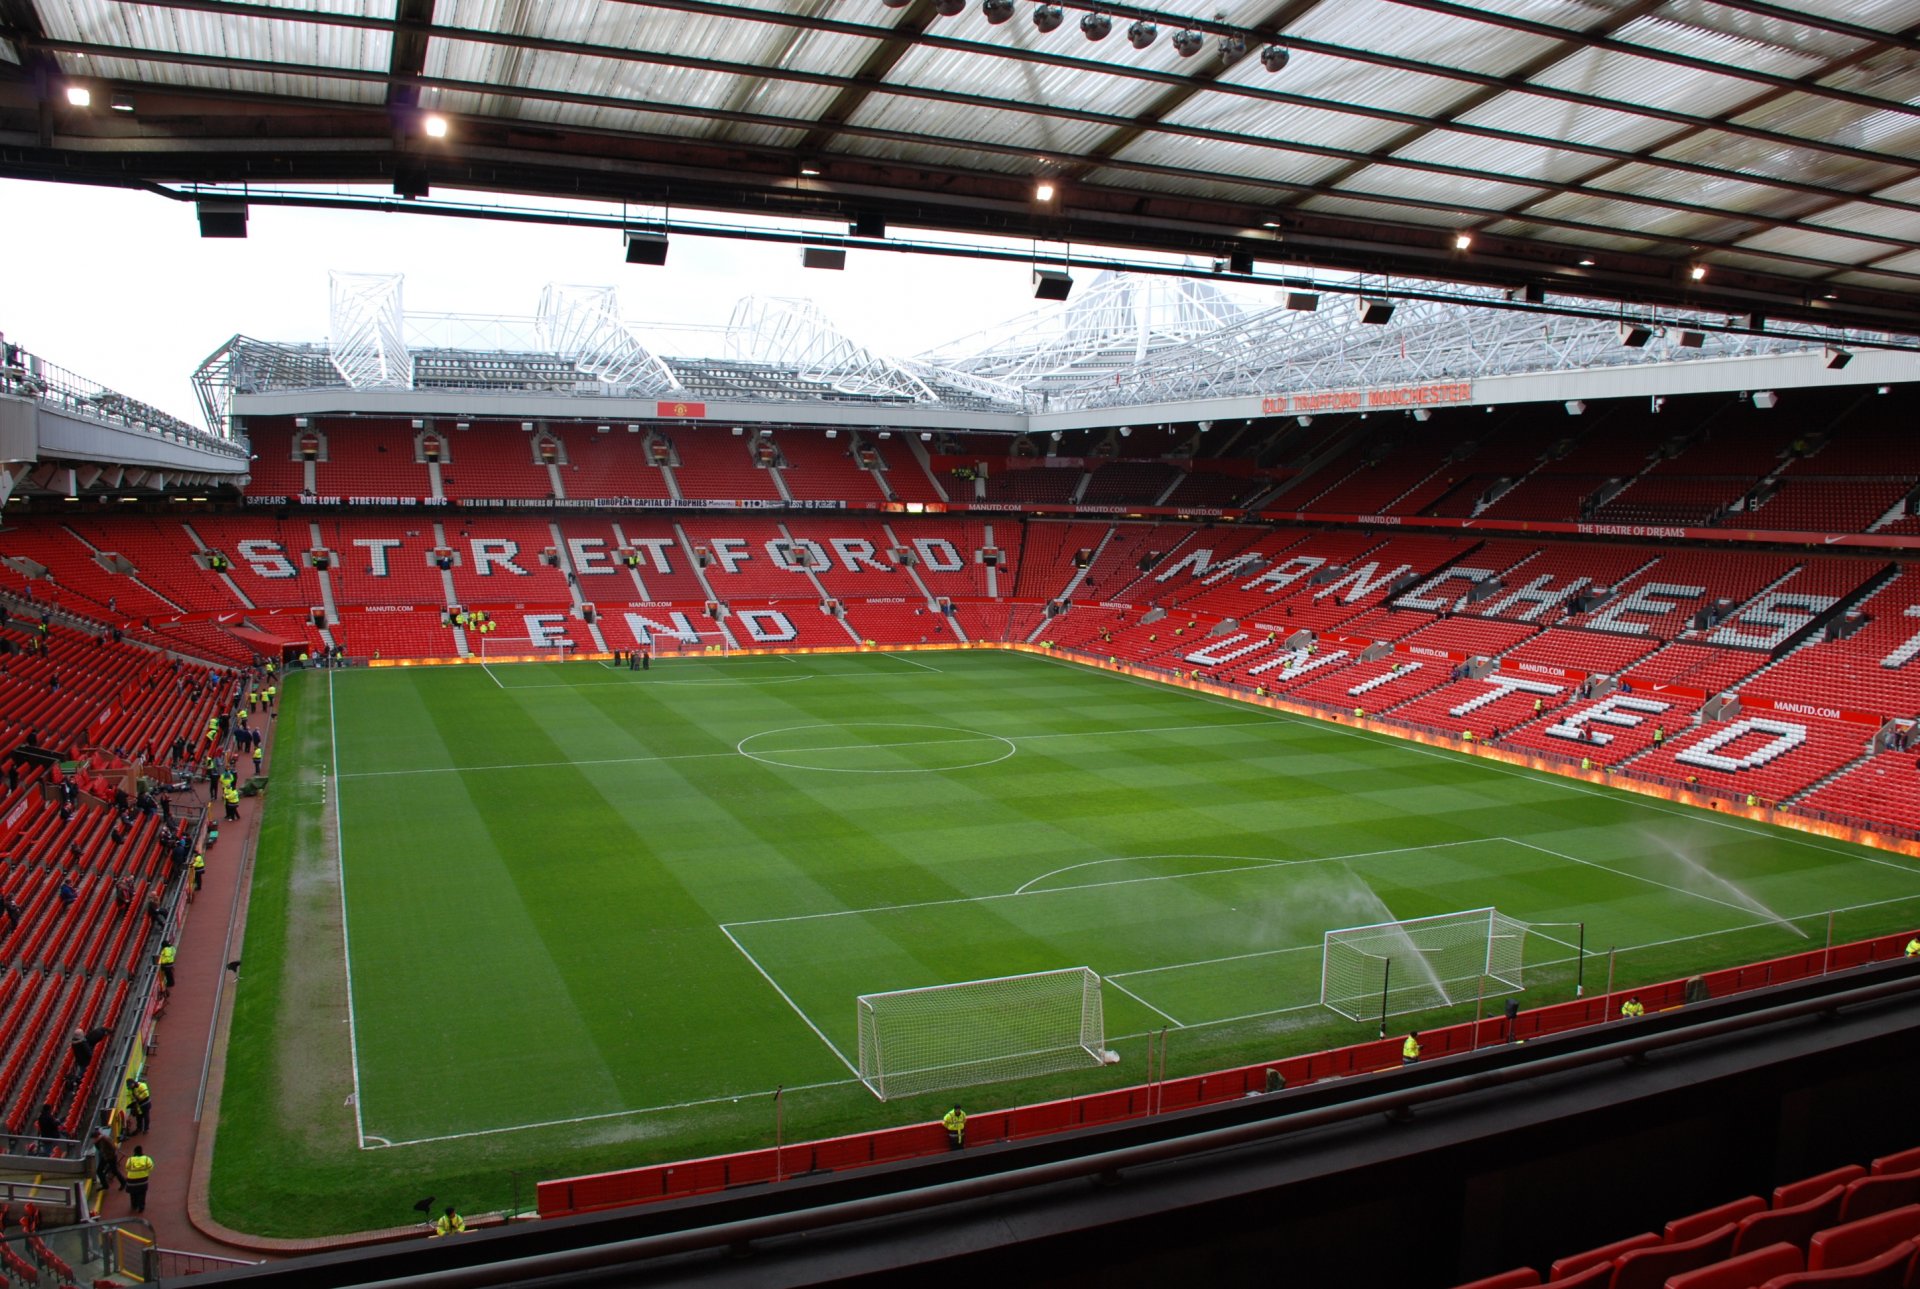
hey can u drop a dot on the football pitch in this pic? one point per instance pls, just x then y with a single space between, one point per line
530 920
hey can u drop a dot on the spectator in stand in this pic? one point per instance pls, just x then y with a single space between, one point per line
82 1048
106 1160
10 907
68 893
46 1130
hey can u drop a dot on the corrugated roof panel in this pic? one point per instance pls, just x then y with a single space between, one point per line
1321 126
1252 196
1523 227
1538 161
1874 277
1827 120
927 154
1629 79
1793 241
1231 158
1877 219
1383 212
1555 119
1430 37
1628 217
941 121
1702 190
1014 81
1758 156
1422 186
262 39
1752 41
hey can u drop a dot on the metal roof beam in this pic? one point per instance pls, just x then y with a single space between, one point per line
715 8
1084 161
1821 22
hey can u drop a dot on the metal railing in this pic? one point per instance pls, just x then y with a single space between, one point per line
29 375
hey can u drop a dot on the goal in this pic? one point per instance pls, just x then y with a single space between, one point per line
1393 968
522 649
982 1031
694 644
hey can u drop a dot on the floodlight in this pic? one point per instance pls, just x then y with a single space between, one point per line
1463 241
949 8
1304 421
926 437
1422 413
1188 43
121 102
222 218
646 248
79 96
1048 17
526 427
1126 431
1586 264
1096 25
1142 33
1203 426
1275 58
739 430
419 423
1698 272
1043 191
1302 301
997 11
1575 407
1635 335
833 434
435 126
1051 284
1837 358
1374 313
810 172
1765 398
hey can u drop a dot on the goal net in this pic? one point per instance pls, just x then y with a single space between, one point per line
694 644
521 649
983 1031
1393 968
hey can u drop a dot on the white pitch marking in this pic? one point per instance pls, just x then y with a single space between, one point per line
900 658
346 946
805 1019
1144 1003
1619 872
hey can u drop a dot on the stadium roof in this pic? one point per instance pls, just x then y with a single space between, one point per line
1604 149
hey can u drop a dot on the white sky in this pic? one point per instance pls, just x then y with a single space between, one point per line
120 288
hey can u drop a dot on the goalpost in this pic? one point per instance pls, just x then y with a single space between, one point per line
981 1031
1393 968
697 644
522 649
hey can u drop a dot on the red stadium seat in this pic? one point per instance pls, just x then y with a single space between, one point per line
1574 1263
1790 1193
1742 1271
1851 1242
1901 1161
1648 1268
1686 1228
1891 1270
1872 1195
1794 1224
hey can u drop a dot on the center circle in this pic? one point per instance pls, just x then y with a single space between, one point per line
875 748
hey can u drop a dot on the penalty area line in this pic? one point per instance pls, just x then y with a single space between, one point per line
1173 1020
603 1116
788 999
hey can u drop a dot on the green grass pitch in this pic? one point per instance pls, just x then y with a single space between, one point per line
592 918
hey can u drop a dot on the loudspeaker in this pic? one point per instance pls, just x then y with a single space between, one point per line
868 223
646 248
222 218
1375 313
822 257
1240 262
1051 284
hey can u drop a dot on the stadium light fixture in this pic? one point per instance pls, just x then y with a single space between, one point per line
1095 25
1765 399
633 427
1275 58
1423 414
1126 431
1043 191
896 4
526 427
926 437
997 11
949 8
1463 241
121 102
1575 407
79 96
1586 264
809 172
1188 43
1051 284
1304 421
434 126
1698 272
1047 18
1837 358
739 430
833 434
1142 33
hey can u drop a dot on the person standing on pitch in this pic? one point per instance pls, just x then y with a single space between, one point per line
955 1122
139 1170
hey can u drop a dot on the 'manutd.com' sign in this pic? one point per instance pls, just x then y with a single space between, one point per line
1379 398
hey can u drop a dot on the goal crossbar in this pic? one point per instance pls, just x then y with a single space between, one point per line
1414 964
980 1031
